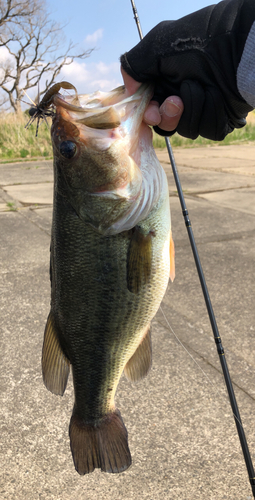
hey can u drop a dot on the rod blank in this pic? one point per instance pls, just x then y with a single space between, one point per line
220 350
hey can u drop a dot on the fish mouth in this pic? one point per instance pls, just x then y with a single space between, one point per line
104 152
105 117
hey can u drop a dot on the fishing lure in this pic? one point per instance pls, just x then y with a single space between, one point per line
44 108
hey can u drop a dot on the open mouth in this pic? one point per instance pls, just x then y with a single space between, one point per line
103 118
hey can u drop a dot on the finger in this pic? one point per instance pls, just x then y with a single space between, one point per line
131 85
152 115
171 111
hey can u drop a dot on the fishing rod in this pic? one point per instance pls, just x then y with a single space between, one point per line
217 339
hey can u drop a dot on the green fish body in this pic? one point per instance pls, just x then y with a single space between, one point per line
110 264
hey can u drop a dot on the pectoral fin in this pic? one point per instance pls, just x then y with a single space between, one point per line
172 259
55 365
139 364
139 260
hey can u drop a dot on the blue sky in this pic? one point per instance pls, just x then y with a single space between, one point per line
109 26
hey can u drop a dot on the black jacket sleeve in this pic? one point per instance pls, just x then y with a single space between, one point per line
196 58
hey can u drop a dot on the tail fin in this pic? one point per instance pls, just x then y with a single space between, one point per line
103 445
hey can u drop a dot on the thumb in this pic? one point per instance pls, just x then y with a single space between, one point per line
131 85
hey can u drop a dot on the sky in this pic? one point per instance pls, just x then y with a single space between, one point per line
108 26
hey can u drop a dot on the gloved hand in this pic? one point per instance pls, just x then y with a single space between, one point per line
196 58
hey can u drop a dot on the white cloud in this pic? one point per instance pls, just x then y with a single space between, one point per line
103 69
89 77
95 36
4 55
76 71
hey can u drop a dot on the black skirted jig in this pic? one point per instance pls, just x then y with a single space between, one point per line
45 107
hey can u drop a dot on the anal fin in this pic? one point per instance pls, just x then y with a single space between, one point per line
102 445
55 365
139 260
139 364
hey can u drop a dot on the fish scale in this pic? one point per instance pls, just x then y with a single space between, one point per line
103 318
107 283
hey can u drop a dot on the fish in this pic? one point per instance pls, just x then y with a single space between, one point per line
111 257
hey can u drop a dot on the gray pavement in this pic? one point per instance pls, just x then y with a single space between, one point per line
182 435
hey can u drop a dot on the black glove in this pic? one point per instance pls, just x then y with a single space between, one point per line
196 58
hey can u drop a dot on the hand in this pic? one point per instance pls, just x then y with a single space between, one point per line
197 59
167 115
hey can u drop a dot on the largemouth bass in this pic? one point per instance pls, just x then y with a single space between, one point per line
110 263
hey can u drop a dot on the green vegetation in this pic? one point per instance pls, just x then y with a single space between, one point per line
18 143
242 135
11 205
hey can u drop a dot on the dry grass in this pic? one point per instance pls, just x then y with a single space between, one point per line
17 142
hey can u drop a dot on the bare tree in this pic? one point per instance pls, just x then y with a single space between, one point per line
13 10
32 44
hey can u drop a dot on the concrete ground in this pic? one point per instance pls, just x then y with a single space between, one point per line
182 434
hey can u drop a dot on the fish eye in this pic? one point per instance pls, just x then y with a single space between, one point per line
67 149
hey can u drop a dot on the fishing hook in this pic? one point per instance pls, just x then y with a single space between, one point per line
45 106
